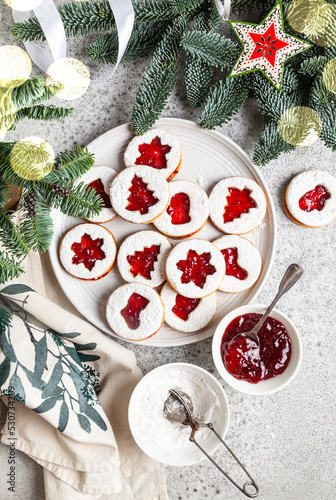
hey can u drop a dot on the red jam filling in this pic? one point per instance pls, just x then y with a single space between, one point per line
245 360
88 251
98 186
196 268
136 303
141 198
179 209
232 267
314 199
153 154
238 202
184 306
143 262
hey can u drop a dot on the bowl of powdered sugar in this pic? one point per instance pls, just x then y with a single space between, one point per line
166 441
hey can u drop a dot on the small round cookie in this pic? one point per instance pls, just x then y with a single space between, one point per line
100 179
237 205
142 257
195 268
242 263
139 194
158 149
88 251
185 314
187 212
310 198
135 312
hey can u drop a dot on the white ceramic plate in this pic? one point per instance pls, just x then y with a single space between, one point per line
207 157
188 453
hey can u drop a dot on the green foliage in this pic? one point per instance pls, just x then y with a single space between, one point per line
225 99
41 112
211 48
269 145
159 78
10 267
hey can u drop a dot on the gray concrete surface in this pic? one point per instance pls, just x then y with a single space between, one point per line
286 439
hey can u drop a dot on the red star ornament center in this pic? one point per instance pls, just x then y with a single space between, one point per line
266 46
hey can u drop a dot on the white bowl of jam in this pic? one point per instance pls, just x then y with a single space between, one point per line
250 368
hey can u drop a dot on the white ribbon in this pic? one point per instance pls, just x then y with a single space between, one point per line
223 10
52 26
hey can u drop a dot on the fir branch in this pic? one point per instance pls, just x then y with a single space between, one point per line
272 102
197 73
270 145
28 93
290 81
320 98
211 48
9 267
144 38
3 194
185 6
41 112
80 18
313 66
159 79
239 6
38 230
70 166
225 99
153 11
11 237
81 202
328 134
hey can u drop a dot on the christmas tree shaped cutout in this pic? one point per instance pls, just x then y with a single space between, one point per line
141 198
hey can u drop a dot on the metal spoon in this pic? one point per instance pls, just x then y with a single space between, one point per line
291 276
178 408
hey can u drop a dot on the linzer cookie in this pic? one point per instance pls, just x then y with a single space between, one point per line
100 179
242 263
237 205
195 268
88 251
158 149
139 194
142 257
186 314
187 212
135 312
310 198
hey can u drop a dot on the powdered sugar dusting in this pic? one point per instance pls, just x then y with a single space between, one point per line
307 181
199 211
74 235
179 252
173 157
137 242
197 319
151 317
247 221
248 259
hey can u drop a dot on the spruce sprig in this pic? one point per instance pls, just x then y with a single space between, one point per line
10 267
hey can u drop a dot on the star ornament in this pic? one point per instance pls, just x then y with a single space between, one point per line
266 46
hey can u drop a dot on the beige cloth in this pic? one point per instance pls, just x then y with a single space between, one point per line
89 468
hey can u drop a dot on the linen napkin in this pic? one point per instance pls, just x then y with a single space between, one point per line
71 385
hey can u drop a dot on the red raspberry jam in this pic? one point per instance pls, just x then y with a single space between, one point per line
196 268
314 199
143 262
153 154
184 306
98 186
245 360
141 198
232 267
88 251
136 303
238 202
179 209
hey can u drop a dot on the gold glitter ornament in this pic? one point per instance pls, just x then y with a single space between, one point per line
314 18
15 66
72 74
7 111
32 158
300 126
